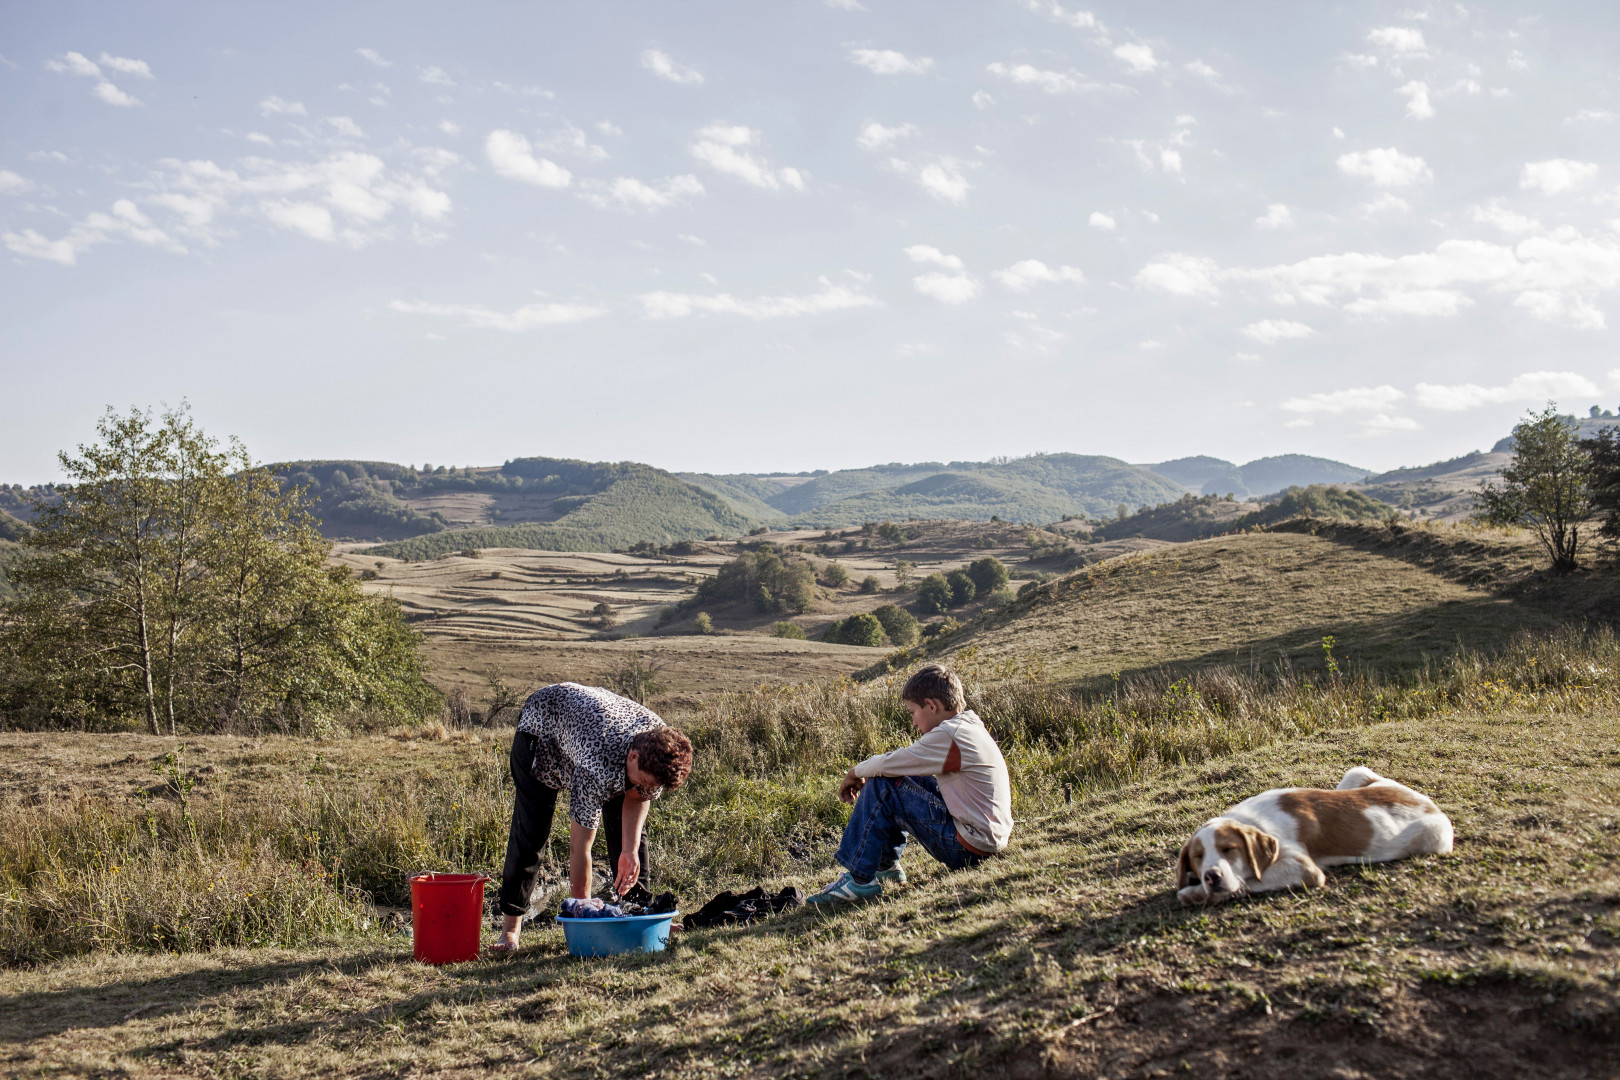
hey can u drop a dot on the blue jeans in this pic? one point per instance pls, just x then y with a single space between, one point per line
888 808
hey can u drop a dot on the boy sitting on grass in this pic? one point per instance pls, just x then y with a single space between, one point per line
949 790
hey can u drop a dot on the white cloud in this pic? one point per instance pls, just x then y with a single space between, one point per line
48 155
943 180
889 62
511 156
1385 167
846 5
125 66
1436 302
633 194
948 288
1338 133
1203 71
1555 176
1384 422
1025 274
1100 220
1277 216
1078 20
667 305
1386 201
1592 116
74 64
12 184
1139 58
1170 160
1052 82
1494 213
1403 41
528 317
571 140
1181 275
1516 61
346 126
1360 61
1534 386
695 241
663 65
982 99
1418 106
1359 399
1557 307
875 136
109 93
722 147
374 57
304 217
276 106
450 127
927 253
126 220
1271 331
435 76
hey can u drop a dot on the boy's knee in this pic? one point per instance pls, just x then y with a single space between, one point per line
879 787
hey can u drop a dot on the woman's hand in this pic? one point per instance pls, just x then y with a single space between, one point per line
629 872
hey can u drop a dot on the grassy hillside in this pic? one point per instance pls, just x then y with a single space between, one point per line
623 504
1065 956
1316 501
1191 517
1041 488
11 528
746 494
1388 598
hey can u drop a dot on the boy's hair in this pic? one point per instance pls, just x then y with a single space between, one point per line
666 753
938 682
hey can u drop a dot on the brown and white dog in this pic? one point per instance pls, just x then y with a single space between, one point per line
1281 839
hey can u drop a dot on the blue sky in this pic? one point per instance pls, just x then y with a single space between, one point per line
810 233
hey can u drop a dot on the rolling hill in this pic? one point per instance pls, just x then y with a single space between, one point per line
584 506
1041 488
1262 476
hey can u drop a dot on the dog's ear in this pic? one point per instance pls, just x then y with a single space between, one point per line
1185 869
1261 848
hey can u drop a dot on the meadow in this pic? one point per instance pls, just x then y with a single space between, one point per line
228 905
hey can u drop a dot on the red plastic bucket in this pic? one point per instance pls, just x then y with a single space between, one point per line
447 913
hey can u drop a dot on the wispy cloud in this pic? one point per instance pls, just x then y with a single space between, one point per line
277 106
875 136
1556 176
725 148
661 64
1025 274
1271 331
889 62
1385 167
631 194
528 317
831 297
1534 386
1138 57
511 156
1359 399
374 57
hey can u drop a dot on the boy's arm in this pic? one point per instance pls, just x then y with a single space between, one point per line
925 757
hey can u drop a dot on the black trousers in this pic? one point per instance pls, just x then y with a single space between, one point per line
532 809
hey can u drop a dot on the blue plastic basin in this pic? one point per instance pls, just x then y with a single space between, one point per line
609 937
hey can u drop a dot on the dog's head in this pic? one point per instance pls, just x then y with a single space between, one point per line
1225 857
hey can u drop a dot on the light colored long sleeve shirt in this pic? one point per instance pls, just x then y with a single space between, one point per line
972 777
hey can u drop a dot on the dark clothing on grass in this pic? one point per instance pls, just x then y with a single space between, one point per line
532 808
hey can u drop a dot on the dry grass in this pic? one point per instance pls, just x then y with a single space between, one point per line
1252 601
1066 956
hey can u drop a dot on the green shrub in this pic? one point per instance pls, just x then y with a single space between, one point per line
934 593
869 585
988 574
789 630
833 632
703 624
962 588
835 575
864 630
899 624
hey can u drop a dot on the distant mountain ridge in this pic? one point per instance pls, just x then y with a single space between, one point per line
1035 489
1262 476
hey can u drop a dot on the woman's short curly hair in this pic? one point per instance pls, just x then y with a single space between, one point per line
666 753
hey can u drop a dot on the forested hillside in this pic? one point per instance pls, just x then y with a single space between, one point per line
1263 476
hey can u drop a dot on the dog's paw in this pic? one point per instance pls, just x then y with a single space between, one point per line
1193 894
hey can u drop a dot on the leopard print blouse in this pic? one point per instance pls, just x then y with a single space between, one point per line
581 736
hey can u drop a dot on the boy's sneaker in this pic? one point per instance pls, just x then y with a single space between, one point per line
845 889
894 875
